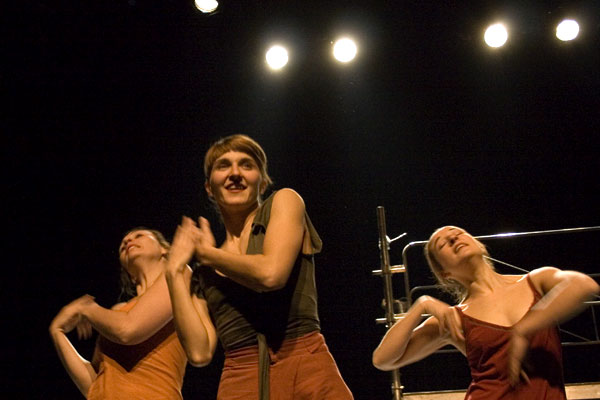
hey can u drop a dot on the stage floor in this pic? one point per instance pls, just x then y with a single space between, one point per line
575 391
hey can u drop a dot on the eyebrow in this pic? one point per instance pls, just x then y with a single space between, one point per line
438 238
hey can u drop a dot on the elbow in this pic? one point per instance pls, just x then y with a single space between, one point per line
587 285
271 284
271 279
126 336
377 362
593 287
380 362
199 359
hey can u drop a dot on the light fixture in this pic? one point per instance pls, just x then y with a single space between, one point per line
344 50
567 30
206 6
277 57
496 35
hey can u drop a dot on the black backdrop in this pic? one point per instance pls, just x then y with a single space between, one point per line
109 107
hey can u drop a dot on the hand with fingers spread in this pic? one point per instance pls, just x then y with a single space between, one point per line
182 248
204 241
448 318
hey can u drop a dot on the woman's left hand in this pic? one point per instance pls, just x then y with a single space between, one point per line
516 353
71 317
204 240
182 248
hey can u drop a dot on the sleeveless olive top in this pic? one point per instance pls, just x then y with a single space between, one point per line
240 313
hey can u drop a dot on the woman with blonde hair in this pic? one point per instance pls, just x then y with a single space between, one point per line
504 324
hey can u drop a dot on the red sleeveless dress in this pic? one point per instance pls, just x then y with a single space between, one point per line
487 353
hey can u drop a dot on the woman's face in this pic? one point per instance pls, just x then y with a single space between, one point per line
452 246
235 180
139 243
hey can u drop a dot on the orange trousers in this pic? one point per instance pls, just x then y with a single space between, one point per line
302 369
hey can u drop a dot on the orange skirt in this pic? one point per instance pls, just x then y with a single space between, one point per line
302 369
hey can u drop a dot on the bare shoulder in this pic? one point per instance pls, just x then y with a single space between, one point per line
288 198
118 306
545 278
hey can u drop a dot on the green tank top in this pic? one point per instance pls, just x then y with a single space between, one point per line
241 314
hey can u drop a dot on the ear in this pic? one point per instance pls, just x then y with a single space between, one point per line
445 274
263 187
207 188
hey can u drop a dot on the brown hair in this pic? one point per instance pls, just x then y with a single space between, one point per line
241 143
128 289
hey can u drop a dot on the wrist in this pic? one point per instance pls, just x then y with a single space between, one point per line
422 304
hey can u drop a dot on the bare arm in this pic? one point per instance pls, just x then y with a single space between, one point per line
151 312
409 340
79 369
190 314
564 295
283 240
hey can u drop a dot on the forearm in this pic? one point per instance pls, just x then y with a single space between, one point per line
258 272
563 301
193 326
151 312
79 369
393 345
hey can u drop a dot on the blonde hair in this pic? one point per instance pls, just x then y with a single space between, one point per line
454 288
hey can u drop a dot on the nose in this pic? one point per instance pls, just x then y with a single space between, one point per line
235 173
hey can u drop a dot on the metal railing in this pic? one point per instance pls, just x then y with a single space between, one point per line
390 303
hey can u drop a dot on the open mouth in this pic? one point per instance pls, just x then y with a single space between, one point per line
235 187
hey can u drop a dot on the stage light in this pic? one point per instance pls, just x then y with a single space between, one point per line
207 6
567 30
277 57
344 50
496 35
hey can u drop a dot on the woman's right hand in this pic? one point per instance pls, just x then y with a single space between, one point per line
448 319
182 247
71 317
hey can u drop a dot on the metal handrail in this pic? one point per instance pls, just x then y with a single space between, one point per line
387 270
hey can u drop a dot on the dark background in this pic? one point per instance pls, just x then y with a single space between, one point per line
110 105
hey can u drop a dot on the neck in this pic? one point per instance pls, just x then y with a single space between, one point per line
483 279
236 221
146 272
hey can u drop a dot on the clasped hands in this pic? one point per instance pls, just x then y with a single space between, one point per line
190 239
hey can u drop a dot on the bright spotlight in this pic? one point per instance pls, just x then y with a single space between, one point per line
277 57
207 6
496 35
567 30
344 50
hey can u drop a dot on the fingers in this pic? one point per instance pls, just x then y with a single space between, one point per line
516 354
204 224
525 377
84 330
